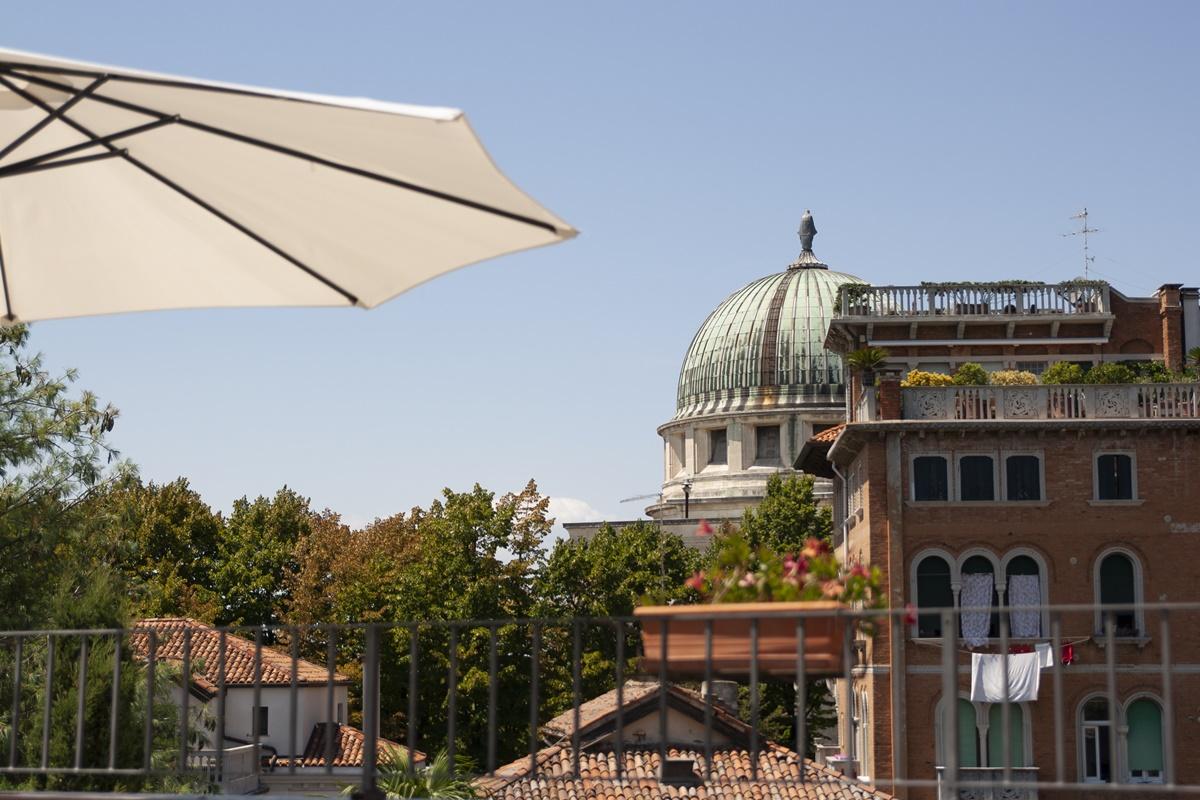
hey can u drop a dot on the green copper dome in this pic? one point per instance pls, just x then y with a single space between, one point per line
764 346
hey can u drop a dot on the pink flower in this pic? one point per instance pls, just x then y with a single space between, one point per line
704 529
815 547
794 567
696 581
859 571
910 614
832 589
747 580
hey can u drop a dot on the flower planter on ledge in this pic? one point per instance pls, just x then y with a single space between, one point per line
685 651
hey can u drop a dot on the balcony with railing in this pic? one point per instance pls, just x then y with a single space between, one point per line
968 300
1051 402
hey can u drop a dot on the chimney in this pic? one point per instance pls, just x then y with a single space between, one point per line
724 693
889 395
1170 309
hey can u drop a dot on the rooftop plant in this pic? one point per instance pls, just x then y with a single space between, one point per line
867 359
743 574
1110 372
1012 377
970 374
1063 372
919 377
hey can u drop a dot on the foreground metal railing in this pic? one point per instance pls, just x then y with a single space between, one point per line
158 708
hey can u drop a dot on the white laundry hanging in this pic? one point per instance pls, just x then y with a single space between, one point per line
987 677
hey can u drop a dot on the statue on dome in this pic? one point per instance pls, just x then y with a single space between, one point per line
808 230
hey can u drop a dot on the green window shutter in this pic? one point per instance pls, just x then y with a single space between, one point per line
1016 737
968 735
1145 735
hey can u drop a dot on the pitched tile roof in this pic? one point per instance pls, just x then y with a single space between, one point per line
276 665
779 771
637 696
347 748
812 458
829 435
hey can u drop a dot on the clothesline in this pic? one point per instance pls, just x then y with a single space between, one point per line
1061 643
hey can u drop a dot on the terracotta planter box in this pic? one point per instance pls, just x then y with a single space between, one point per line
823 639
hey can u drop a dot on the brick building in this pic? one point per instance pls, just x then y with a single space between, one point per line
1032 494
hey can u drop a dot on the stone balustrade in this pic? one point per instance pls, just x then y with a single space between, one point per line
976 300
1066 401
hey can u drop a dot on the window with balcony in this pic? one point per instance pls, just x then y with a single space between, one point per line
930 479
1119 584
766 446
1022 477
718 447
1115 477
976 478
1145 743
934 591
1095 730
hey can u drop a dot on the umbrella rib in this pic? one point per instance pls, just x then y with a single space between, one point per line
26 164
52 115
25 169
221 215
300 154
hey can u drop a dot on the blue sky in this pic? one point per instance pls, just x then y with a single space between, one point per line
931 141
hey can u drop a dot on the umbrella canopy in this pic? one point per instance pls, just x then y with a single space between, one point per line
123 190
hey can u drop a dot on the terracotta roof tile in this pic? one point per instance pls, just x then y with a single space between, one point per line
276 665
829 435
347 748
778 777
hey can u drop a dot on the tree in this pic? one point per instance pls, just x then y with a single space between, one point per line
787 516
257 554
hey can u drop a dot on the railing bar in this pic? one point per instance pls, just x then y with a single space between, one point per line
185 698
802 696
663 689
1110 674
293 697
1168 706
949 705
1056 648
256 704
371 709
331 645
14 728
49 700
81 702
535 635
491 713
115 709
618 743
576 695
708 699
1006 706
411 722
452 703
754 709
222 648
151 663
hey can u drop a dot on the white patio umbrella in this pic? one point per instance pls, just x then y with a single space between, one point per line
123 190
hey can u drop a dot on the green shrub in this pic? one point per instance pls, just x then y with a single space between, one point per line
1013 377
1063 372
970 374
918 377
1110 372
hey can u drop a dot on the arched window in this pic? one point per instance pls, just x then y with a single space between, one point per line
933 592
1024 589
1145 743
1118 585
969 752
978 593
1094 739
1016 735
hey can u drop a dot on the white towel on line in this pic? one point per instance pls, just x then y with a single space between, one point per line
987 677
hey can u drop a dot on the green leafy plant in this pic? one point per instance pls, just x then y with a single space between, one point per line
1061 372
970 374
867 359
1110 372
1193 357
434 780
742 574
1013 377
918 377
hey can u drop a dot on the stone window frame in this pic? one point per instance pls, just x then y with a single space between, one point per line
709 465
1135 498
1080 756
1123 732
982 726
1040 455
1121 768
999 570
951 483
1139 583
959 455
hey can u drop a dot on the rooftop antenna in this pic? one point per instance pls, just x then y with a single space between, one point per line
1083 231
